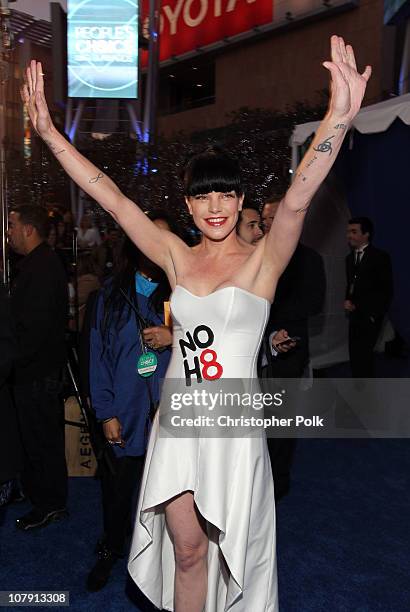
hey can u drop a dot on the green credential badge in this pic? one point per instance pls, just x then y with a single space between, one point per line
147 364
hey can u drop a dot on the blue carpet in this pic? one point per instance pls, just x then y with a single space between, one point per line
343 536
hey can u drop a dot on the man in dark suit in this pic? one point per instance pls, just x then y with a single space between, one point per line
299 294
368 295
39 309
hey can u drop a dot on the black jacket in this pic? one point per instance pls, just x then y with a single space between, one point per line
10 447
39 309
300 293
373 287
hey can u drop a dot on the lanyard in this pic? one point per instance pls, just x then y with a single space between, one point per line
141 322
148 361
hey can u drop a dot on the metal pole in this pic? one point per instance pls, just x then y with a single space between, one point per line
77 118
6 45
3 188
70 128
134 120
5 273
75 279
68 116
150 105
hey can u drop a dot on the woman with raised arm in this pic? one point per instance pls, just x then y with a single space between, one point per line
204 537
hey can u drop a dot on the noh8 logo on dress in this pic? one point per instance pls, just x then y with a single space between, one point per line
200 360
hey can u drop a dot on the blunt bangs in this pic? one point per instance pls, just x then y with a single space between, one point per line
212 170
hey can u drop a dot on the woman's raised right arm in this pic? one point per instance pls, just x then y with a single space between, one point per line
153 242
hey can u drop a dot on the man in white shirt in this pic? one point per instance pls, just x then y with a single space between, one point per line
87 235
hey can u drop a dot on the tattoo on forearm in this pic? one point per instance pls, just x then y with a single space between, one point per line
302 176
53 148
96 178
325 146
340 126
312 161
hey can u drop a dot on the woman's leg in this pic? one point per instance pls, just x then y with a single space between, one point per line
190 540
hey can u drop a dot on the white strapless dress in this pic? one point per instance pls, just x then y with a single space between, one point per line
231 478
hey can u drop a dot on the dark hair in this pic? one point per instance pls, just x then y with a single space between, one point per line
36 216
123 281
366 225
246 206
51 225
164 215
212 170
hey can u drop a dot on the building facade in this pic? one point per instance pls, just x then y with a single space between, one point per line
276 67
209 69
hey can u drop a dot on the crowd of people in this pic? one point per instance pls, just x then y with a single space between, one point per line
88 255
120 306
203 539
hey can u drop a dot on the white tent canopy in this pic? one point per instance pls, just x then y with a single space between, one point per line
370 120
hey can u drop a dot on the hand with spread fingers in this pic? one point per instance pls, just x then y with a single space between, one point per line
33 96
347 86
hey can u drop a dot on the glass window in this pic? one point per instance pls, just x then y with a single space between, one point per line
185 86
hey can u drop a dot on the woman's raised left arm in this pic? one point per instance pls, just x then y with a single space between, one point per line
347 90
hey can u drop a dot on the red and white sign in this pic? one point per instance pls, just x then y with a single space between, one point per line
186 25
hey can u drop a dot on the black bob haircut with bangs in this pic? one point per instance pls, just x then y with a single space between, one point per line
212 170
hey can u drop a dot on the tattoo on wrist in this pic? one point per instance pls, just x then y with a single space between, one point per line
325 146
53 148
340 126
96 178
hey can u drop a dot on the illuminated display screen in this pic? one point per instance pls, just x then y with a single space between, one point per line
392 8
102 48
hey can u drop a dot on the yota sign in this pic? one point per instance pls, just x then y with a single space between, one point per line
188 24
